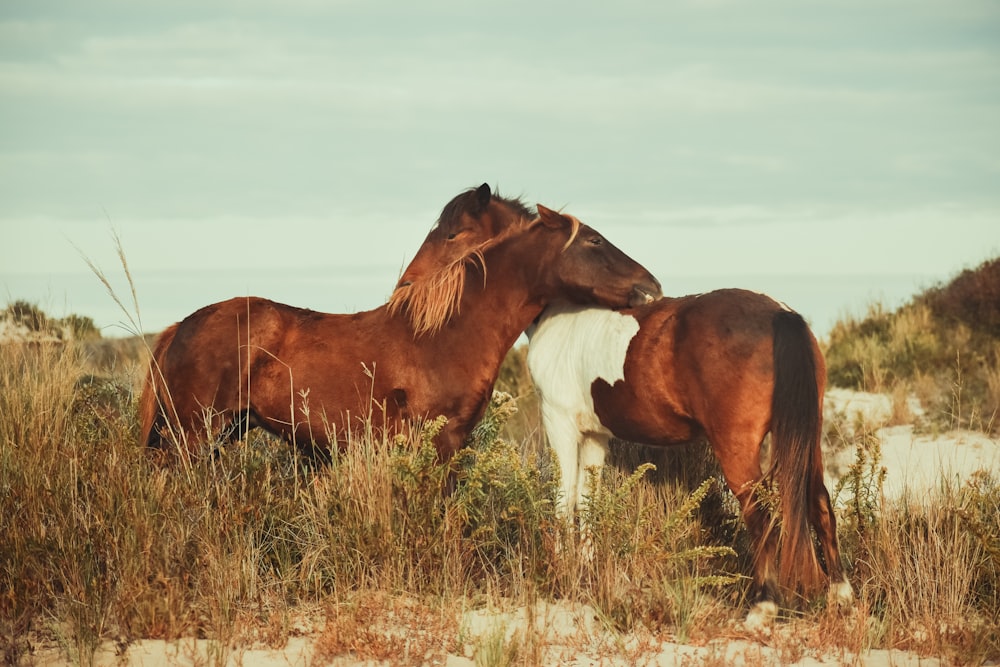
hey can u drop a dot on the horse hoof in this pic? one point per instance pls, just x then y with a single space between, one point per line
841 596
761 616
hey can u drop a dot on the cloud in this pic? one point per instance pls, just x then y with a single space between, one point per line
706 117
810 241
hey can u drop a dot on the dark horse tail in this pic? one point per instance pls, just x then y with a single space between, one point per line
796 429
152 405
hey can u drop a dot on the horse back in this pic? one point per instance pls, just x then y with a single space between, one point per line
723 341
698 363
204 362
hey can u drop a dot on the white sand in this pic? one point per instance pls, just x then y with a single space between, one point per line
572 636
916 464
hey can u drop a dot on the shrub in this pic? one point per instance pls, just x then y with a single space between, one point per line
39 325
28 315
944 343
972 299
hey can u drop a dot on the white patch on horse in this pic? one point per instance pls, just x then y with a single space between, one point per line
572 346
569 348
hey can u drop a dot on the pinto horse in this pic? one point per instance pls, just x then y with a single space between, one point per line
435 349
730 366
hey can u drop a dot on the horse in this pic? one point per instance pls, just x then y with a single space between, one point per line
730 366
435 349
754 338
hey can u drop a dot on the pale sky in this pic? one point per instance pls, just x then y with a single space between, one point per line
787 138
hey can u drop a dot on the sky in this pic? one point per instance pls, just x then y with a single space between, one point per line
300 150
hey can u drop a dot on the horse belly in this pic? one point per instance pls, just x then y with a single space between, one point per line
630 417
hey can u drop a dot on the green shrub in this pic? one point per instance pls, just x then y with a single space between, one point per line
947 338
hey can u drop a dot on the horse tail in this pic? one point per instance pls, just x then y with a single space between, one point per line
796 429
152 405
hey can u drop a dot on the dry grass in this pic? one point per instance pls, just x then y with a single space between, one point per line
944 346
100 543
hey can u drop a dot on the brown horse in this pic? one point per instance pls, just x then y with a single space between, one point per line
316 379
731 366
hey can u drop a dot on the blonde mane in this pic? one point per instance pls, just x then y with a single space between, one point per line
574 230
432 300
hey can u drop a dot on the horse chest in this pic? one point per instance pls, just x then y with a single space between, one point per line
571 350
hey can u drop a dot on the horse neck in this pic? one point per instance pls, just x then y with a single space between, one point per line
495 311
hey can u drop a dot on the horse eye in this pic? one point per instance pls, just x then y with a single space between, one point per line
452 235
597 240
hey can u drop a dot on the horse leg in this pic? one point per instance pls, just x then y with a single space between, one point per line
185 426
593 451
564 439
741 468
824 522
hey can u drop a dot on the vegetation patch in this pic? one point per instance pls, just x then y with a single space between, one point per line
102 544
943 346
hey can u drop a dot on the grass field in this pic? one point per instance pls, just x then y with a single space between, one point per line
102 544
367 557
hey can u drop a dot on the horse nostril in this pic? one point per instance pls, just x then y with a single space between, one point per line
644 294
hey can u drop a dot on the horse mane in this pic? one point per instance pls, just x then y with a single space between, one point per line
432 300
467 202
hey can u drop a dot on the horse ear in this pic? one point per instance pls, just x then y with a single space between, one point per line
552 219
483 194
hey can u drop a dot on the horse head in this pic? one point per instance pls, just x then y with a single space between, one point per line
430 288
469 220
590 270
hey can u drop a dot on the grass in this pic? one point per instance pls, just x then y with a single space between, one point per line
371 559
102 543
943 346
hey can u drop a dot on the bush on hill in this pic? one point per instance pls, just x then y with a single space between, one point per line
30 322
972 299
944 346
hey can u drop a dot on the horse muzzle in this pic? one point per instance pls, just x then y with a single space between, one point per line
644 294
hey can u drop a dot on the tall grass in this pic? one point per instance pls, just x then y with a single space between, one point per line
926 568
100 543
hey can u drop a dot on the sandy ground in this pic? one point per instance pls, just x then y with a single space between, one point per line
916 464
573 635
298 652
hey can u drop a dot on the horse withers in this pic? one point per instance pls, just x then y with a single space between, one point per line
316 379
